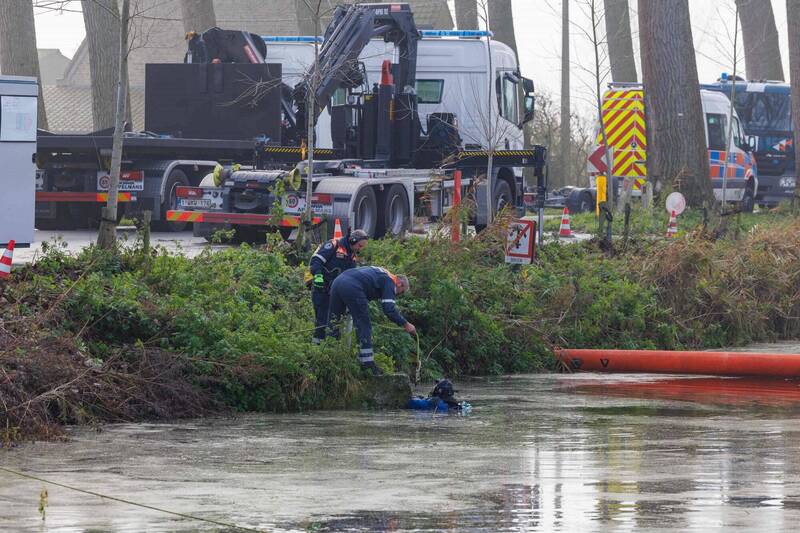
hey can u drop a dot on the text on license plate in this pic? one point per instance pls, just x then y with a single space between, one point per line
194 202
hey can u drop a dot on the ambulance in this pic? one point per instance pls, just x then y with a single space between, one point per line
625 124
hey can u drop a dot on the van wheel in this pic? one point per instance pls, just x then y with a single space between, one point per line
394 219
177 178
366 211
748 200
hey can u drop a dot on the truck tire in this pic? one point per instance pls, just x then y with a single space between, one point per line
394 218
176 178
501 198
365 208
580 201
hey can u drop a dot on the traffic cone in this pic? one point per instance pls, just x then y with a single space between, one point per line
337 230
672 228
565 230
5 260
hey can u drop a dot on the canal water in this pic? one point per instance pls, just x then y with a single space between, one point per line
537 453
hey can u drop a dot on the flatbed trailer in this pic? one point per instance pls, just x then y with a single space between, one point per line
72 177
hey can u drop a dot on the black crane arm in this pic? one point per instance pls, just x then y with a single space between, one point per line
349 32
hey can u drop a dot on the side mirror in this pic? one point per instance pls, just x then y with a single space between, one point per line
530 103
752 143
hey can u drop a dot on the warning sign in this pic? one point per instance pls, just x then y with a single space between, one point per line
520 242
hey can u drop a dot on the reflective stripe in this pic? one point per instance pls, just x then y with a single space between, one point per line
320 258
365 358
364 351
387 301
315 340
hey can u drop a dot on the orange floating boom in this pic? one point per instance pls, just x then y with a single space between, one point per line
669 362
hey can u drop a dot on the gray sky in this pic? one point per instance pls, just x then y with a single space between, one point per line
538 28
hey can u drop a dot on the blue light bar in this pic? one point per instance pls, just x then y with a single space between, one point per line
456 33
290 39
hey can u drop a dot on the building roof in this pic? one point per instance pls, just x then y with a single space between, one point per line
165 44
52 65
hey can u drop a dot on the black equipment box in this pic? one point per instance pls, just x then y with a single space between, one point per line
214 100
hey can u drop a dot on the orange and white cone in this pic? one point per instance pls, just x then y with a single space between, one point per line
565 230
672 228
337 230
5 260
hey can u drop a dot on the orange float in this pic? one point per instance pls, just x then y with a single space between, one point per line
672 362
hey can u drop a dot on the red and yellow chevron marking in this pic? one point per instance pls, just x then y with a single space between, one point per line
624 121
92 197
242 219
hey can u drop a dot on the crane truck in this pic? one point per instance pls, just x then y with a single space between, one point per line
383 167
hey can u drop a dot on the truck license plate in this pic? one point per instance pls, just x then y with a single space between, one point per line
194 202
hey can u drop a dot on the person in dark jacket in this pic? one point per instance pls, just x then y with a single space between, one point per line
353 290
328 261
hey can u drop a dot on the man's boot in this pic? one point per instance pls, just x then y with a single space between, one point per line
370 366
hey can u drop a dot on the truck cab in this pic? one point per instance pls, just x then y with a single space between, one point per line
765 111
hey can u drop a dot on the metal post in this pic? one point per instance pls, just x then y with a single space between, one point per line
455 232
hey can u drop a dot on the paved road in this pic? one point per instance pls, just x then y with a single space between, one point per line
180 242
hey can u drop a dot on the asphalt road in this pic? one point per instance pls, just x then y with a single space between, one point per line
73 241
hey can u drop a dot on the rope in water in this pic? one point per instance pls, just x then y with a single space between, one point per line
129 502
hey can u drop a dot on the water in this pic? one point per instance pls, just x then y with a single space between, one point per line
537 453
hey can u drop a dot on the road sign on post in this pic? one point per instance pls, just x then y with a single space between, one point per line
520 242
596 162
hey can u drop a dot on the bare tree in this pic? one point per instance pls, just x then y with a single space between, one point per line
198 15
107 236
18 55
762 54
467 14
676 147
101 19
793 30
620 44
565 96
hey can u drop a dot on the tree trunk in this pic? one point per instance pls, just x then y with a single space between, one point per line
18 55
501 22
620 44
676 146
467 14
306 13
101 19
107 236
793 30
762 54
565 136
198 15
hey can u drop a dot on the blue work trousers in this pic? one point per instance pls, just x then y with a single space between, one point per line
321 300
348 297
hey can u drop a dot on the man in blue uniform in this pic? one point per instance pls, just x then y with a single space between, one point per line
328 261
353 290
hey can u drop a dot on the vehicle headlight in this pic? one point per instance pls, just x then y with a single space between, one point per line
788 182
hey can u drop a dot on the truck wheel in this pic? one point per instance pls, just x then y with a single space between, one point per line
502 197
748 200
394 219
176 179
366 211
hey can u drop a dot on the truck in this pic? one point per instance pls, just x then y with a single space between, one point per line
624 118
387 168
765 111
191 127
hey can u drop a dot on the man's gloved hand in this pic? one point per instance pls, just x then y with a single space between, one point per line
319 281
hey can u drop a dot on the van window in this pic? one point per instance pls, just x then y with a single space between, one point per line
507 94
430 91
715 124
737 139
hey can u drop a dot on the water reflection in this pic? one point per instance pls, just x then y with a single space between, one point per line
538 453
